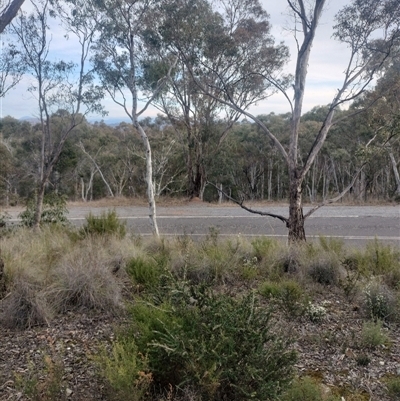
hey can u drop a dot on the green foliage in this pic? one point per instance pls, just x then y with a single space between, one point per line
316 313
54 211
222 346
379 303
288 294
363 360
51 388
306 389
335 245
372 335
381 258
144 271
125 371
4 217
105 224
393 387
263 247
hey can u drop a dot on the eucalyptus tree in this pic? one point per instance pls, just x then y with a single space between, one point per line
11 66
119 55
198 34
57 85
383 119
369 28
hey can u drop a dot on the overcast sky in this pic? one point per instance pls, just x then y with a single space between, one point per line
327 63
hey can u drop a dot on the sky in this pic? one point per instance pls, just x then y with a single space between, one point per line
325 74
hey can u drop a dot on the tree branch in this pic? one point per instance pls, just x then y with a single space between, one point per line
276 216
10 13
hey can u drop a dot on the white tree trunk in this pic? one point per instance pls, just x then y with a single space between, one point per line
149 179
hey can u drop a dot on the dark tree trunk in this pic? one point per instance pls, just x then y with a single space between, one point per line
295 224
39 205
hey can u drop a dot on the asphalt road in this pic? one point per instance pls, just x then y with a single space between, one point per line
355 224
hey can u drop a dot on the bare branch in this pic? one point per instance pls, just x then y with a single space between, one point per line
276 216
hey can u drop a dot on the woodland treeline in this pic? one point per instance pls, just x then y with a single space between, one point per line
203 64
100 160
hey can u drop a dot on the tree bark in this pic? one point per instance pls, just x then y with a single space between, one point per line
295 223
395 171
149 178
10 13
39 206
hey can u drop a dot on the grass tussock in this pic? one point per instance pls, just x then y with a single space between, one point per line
206 318
25 305
84 279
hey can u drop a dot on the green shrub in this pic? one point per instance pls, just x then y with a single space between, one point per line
379 303
54 211
46 384
105 224
144 271
381 259
223 347
372 336
306 389
263 247
363 360
125 371
288 294
393 387
335 245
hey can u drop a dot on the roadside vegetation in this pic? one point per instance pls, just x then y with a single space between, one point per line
215 319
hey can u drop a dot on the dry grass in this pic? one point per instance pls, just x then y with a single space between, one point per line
49 271
25 305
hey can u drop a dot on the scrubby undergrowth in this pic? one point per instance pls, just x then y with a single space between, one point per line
234 319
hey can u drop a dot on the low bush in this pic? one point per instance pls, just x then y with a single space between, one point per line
381 259
125 371
288 295
144 271
372 335
379 302
393 387
324 269
47 384
306 389
223 347
105 224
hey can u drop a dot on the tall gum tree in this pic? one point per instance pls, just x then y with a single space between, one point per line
369 28
200 36
119 55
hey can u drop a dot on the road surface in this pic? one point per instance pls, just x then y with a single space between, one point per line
355 224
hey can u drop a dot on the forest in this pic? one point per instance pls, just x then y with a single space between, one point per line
202 65
100 160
